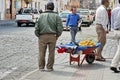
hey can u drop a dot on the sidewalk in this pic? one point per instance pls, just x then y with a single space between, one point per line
64 71
96 71
7 22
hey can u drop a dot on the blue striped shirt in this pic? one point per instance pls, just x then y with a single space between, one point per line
72 20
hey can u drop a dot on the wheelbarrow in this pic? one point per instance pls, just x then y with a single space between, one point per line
72 49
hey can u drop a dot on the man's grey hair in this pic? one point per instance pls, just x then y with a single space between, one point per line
103 1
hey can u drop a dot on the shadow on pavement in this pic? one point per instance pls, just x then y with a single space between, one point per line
86 66
65 73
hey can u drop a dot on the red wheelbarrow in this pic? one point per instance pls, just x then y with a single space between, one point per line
72 49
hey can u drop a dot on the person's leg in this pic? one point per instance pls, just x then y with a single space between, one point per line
51 45
76 30
101 39
116 58
72 32
110 24
42 51
99 49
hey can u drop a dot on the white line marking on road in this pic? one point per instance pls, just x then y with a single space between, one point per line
4 74
23 77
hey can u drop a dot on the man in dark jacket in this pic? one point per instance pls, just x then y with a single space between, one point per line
48 30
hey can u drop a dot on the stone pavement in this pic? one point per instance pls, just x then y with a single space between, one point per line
95 71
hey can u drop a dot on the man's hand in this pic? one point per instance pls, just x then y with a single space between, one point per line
57 37
107 31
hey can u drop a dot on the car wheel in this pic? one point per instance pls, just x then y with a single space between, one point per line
27 24
33 24
19 24
88 24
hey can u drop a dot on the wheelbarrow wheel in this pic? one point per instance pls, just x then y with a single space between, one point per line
90 58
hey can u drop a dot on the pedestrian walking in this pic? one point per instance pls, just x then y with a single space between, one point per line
101 20
48 30
115 24
72 21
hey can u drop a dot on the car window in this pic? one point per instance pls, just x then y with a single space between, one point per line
92 12
27 11
64 15
83 12
35 11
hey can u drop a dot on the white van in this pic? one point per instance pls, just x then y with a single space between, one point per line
28 16
86 16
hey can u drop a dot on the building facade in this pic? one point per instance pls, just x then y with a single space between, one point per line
41 4
8 8
2 6
75 3
112 4
116 3
72 3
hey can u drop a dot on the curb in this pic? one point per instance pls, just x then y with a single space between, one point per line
7 22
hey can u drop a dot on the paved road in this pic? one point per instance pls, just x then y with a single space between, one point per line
19 52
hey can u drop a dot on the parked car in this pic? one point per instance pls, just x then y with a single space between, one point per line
28 16
85 15
64 15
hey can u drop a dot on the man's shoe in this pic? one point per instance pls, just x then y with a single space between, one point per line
42 70
114 69
49 70
101 59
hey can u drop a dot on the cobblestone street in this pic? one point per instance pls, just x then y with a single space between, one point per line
19 54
